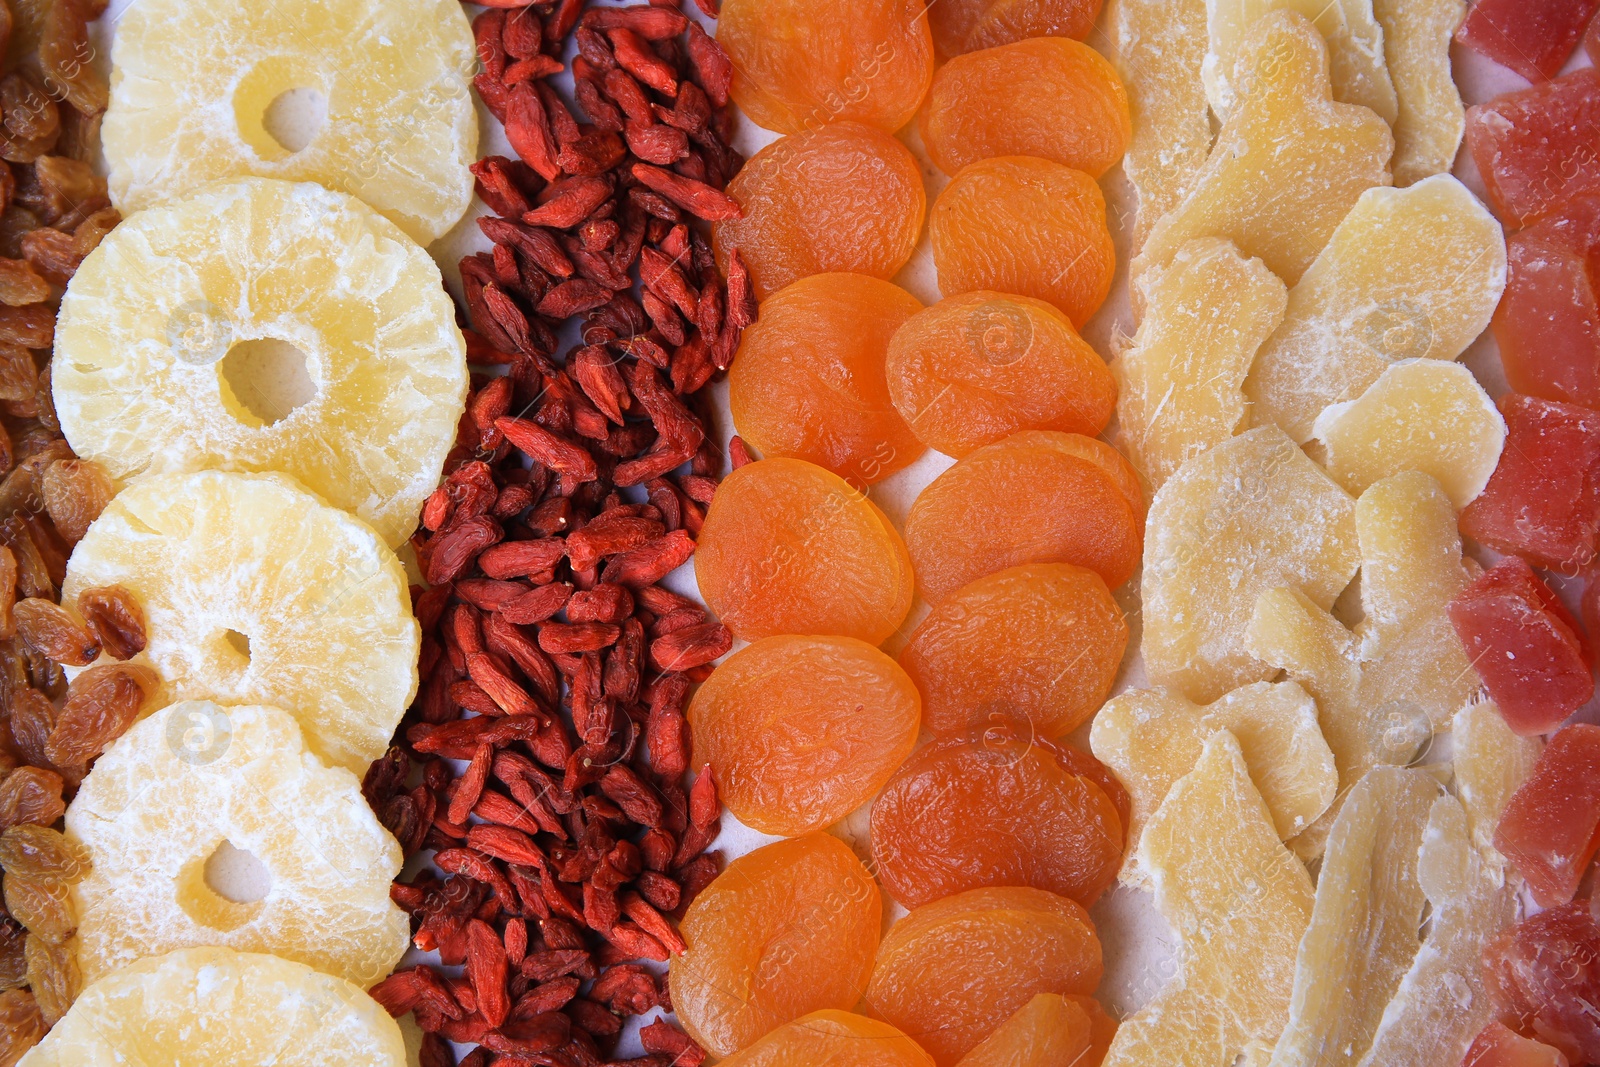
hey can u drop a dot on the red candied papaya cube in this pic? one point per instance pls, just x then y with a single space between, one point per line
1551 826
1537 149
1525 646
1591 42
1497 1045
1548 322
1532 37
1543 500
1547 970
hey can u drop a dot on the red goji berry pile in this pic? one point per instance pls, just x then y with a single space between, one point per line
553 663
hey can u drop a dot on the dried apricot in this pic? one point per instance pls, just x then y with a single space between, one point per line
788 929
977 367
788 548
963 25
1049 97
845 198
801 731
951 972
1035 497
809 380
1036 644
998 809
838 1038
1023 225
798 65
1048 1031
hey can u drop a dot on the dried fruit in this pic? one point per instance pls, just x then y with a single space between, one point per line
1548 324
115 619
21 1027
43 905
1532 37
1544 969
53 977
30 795
75 492
801 731
1531 147
55 632
1431 117
346 373
1498 1046
102 702
31 851
1491 763
1046 1031
325 631
809 380
953 971
1548 829
832 1036
786 930
965 25
214 108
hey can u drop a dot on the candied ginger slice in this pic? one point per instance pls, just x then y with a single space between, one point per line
1432 118
1408 273
1420 415
1180 383
1239 902
1355 50
1288 165
1491 763
1150 738
1159 48
1252 514
1365 924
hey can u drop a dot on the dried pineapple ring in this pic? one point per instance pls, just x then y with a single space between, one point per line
210 1007
256 592
170 348
196 780
193 84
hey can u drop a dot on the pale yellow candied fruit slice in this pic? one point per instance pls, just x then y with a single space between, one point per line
1491 762
1432 118
1181 381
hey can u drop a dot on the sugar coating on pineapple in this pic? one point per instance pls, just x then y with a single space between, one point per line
1288 165
256 592
1409 273
1180 383
178 785
1150 738
215 1006
1252 514
192 84
1384 688
162 362
1366 922
1432 117
1239 903
1420 415
1357 63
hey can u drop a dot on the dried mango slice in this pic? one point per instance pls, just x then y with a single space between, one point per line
1365 924
1432 118
1159 48
1383 689
1491 763
1420 415
1181 383
1250 515
1355 51
1409 273
1288 165
1239 902
1150 738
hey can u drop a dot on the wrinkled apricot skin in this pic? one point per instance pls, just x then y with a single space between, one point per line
799 65
1547 970
789 548
951 972
809 380
801 731
1049 97
842 198
1035 497
995 809
966 25
786 930
1036 644
981 366
1016 224
833 1037
1549 827
1048 1031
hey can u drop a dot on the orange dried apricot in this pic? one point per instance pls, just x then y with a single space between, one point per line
964 25
1049 97
1037 644
837 1038
789 548
1023 225
788 929
1035 497
951 972
801 731
809 380
998 809
1048 1031
845 197
977 367
798 65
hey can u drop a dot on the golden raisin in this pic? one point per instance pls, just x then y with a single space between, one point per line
32 851
31 795
32 718
13 962
54 976
115 617
21 1026
56 632
101 704
75 492
43 905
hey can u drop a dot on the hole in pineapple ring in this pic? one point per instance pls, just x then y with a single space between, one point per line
267 380
239 643
279 106
223 890
295 117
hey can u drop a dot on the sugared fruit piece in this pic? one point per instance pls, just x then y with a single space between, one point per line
1548 325
1497 1045
1551 827
1048 1031
1547 970
1432 118
834 1037
1491 763
1534 148
1532 37
964 25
